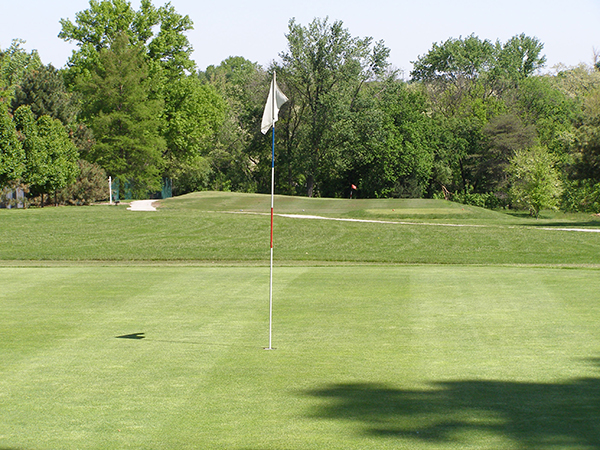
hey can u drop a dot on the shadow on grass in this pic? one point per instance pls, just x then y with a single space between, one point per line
590 224
534 415
130 336
556 220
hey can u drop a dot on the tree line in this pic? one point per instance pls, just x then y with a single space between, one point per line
476 122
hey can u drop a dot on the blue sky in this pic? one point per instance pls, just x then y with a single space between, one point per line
256 30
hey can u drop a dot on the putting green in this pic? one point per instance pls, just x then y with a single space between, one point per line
368 357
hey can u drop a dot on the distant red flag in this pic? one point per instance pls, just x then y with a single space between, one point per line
353 187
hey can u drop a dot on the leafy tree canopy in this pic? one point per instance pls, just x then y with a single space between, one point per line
15 62
12 157
161 31
457 61
51 157
535 181
323 70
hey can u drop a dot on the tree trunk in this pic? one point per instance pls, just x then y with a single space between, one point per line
310 185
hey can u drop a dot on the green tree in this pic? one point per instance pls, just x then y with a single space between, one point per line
15 62
43 89
540 102
460 62
159 30
504 136
323 70
481 117
184 111
89 186
520 57
391 154
123 116
193 115
12 156
170 46
240 146
535 181
51 157
455 61
581 85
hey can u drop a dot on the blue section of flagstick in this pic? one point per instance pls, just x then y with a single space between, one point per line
273 148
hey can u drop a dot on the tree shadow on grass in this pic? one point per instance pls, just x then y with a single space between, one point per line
534 415
592 225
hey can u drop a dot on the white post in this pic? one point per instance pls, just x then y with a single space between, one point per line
109 190
272 202
271 273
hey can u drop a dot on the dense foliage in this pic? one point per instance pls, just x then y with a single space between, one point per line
133 104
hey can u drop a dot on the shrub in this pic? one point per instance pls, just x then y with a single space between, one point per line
487 200
90 186
535 181
581 196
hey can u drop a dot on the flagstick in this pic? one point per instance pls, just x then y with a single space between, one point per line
275 99
271 273
272 204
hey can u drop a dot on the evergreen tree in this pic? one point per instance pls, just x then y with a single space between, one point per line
43 89
124 117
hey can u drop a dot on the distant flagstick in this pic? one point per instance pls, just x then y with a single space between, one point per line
271 114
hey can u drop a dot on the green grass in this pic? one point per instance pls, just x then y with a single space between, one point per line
415 333
229 228
425 357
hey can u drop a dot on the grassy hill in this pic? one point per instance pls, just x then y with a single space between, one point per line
229 228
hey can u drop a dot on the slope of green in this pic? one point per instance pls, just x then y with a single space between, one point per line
387 209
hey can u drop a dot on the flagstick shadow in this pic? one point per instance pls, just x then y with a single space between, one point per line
140 336
206 344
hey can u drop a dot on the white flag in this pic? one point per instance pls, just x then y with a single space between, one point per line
274 102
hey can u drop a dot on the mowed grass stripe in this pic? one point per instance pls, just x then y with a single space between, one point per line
367 358
84 381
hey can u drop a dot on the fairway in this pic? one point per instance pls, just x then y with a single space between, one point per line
426 325
367 358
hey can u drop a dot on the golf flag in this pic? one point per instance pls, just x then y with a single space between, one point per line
274 101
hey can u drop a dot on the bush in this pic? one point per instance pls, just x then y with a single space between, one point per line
90 186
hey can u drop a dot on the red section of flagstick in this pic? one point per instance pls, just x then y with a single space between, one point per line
271 227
